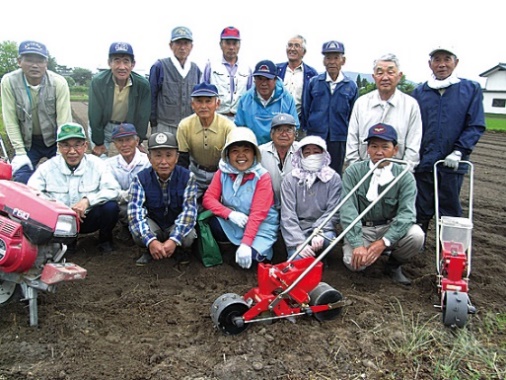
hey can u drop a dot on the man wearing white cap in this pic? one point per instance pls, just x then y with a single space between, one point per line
453 121
35 102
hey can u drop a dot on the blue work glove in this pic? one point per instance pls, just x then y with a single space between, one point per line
243 256
453 159
19 161
238 218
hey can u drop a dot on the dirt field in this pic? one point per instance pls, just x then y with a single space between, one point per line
153 322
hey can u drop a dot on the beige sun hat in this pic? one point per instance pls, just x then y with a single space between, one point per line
241 134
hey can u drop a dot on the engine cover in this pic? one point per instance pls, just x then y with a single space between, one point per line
17 254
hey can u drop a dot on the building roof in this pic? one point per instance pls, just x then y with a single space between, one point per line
493 70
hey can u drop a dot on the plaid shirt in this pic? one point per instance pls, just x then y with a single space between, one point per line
138 215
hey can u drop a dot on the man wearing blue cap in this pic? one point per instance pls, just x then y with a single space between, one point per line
124 167
35 101
328 102
202 136
116 96
172 80
231 76
262 102
389 228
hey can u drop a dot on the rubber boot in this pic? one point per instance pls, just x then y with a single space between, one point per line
394 270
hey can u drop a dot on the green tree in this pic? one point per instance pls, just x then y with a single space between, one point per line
81 76
71 82
359 81
8 57
406 86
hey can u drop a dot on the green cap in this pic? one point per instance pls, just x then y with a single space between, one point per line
70 131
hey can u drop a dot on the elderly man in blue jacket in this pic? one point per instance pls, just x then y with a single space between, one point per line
265 100
328 102
453 121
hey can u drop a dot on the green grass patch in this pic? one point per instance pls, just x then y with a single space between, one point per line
496 122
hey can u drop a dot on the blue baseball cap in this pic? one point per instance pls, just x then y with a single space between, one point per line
123 130
266 69
121 48
204 89
382 131
181 33
33 47
333 47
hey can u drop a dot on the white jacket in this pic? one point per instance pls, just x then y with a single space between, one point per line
92 179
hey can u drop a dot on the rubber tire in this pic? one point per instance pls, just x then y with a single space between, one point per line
455 308
9 292
324 294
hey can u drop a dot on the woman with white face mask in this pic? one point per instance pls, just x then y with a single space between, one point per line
309 194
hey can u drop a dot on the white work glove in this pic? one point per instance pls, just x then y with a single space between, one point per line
453 159
243 256
307 251
238 218
123 197
19 161
317 243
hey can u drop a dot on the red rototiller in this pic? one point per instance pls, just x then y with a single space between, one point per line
34 233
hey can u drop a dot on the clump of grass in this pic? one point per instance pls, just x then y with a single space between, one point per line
466 353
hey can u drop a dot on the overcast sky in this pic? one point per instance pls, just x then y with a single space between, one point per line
78 33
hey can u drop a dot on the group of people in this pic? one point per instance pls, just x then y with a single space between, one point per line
263 149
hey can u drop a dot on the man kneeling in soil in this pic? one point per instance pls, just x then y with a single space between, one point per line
162 211
389 227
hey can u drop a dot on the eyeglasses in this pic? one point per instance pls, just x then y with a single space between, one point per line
288 131
67 147
291 45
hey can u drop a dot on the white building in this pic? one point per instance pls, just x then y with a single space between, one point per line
494 93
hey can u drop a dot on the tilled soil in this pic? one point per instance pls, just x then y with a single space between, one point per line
153 322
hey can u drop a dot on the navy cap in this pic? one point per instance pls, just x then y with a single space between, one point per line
283 119
162 140
123 130
333 47
266 69
205 89
382 131
33 47
181 33
230 33
121 48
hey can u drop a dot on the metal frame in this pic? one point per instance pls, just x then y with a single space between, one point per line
318 230
438 219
